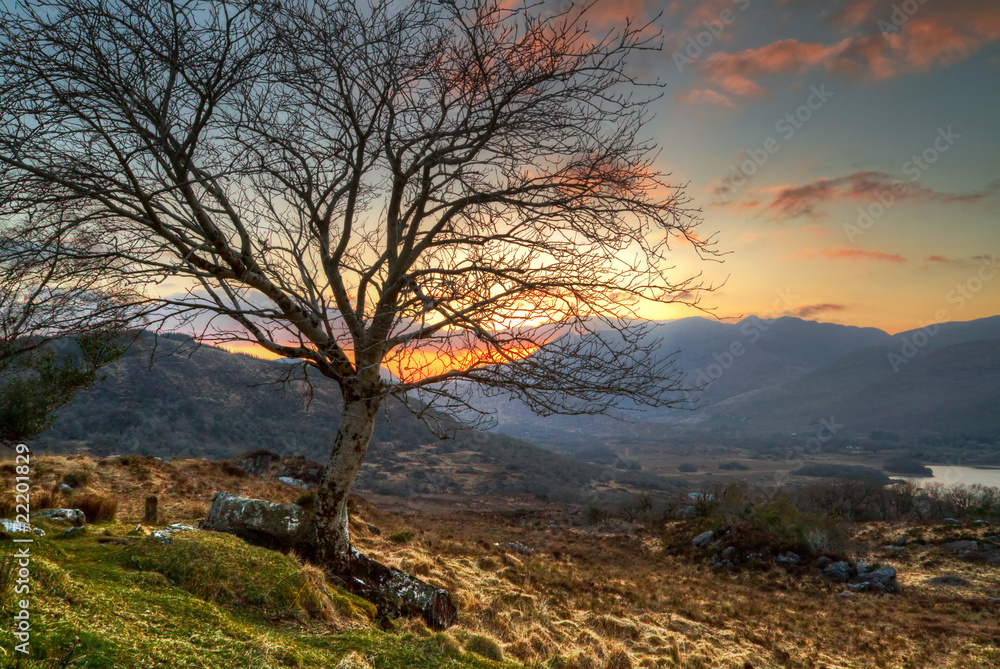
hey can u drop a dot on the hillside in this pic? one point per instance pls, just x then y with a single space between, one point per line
169 398
944 388
534 589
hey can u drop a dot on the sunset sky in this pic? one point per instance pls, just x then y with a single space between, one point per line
892 113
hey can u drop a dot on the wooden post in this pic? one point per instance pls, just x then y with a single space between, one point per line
151 504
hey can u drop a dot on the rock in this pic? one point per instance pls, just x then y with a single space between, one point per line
995 601
74 517
948 580
72 532
278 526
823 562
374 530
838 571
166 535
396 593
951 521
295 483
862 567
140 531
879 581
788 559
901 540
65 487
958 546
703 539
980 522
729 553
892 548
847 595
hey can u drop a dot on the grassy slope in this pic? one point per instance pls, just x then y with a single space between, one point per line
128 614
580 600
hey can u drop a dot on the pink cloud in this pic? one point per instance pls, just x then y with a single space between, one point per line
936 36
808 199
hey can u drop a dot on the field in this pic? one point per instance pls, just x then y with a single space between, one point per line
534 588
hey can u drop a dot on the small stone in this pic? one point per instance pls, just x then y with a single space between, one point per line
951 521
847 595
823 562
166 535
295 483
703 539
901 540
729 553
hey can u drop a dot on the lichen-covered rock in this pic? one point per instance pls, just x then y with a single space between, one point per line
278 526
74 517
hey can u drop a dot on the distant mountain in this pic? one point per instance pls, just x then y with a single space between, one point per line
728 359
943 378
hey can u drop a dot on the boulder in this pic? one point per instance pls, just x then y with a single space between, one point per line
703 539
278 526
74 517
838 571
879 581
8 526
823 562
729 553
295 483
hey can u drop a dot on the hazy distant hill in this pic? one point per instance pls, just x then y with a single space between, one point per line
202 401
942 379
731 358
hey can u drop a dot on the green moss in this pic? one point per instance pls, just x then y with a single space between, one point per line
112 605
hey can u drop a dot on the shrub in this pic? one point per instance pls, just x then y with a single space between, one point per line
733 466
76 479
306 500
484 646
96 507
687 468
401 536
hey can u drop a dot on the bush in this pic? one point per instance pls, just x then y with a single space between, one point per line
484 646
687 468
76 479
306 500
401 536
96 507
733 466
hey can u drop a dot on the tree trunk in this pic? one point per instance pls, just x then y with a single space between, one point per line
333 537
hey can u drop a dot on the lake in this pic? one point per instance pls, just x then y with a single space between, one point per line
953 475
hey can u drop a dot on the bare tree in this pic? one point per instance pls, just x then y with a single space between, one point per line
458 193
54 293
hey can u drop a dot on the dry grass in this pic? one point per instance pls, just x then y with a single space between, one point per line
584 601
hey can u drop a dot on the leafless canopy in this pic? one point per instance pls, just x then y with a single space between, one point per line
459 193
